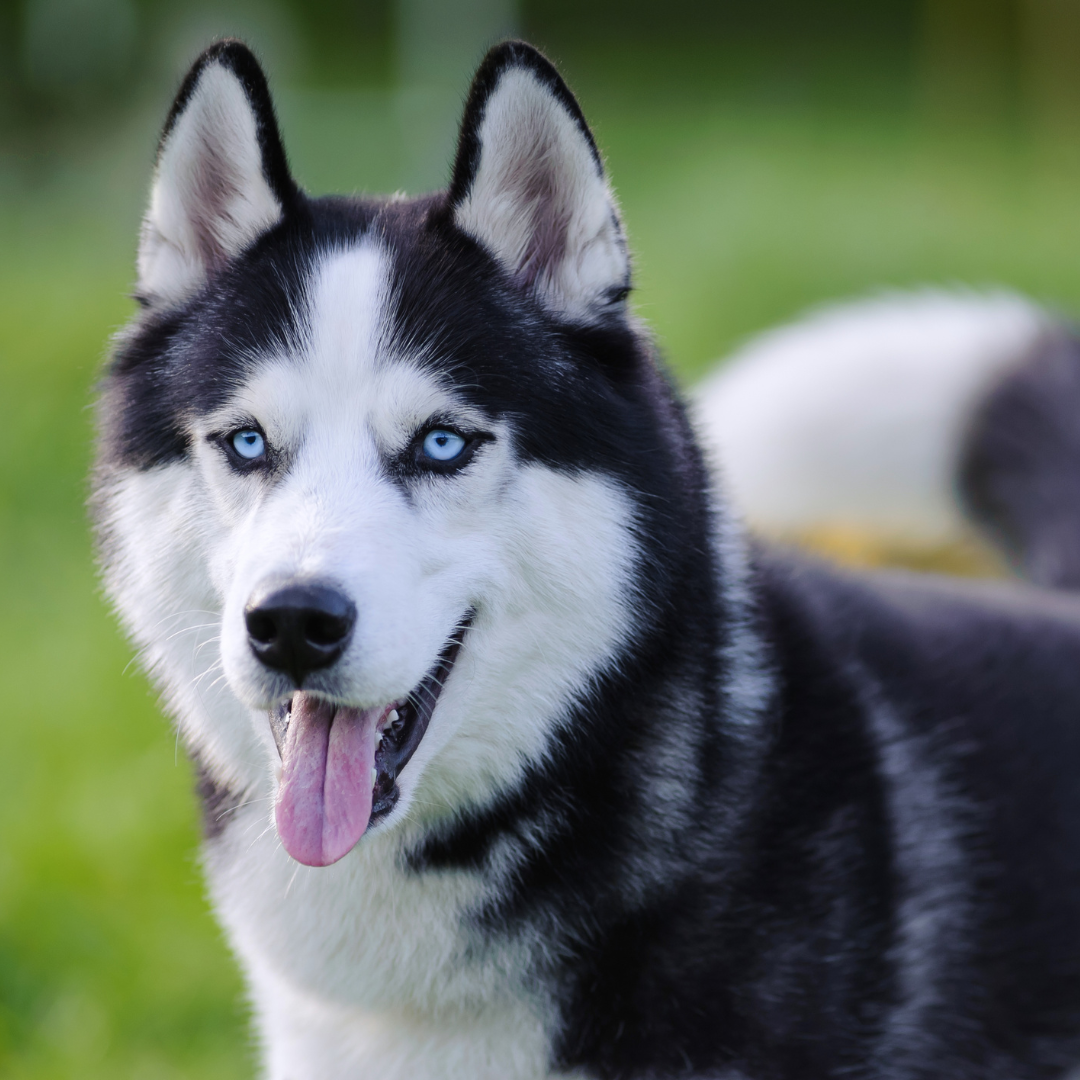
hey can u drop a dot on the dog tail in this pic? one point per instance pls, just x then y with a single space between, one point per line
1019 467
928 427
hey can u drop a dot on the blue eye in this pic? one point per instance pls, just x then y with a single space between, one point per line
249 444
443 445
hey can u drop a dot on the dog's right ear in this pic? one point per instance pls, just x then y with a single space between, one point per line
529 186
221 178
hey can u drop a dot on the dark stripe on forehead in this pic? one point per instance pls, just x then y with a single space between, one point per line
189 360
577 398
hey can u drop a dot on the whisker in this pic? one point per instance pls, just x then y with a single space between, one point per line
292 879
135 659
269 828
191 629
244 803
215 666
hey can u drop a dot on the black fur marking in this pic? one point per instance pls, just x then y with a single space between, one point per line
790 960
1019 474
499 60
186 361
582 389
218 800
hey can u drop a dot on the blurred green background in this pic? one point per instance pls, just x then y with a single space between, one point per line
769 155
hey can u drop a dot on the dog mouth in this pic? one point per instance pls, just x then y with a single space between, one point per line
340 764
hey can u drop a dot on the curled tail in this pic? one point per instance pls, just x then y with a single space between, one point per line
910 427
1019 466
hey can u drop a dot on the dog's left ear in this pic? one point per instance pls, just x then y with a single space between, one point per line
529 185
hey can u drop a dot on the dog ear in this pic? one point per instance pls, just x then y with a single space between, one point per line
221 178
529 185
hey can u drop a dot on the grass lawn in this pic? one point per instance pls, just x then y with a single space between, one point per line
743 207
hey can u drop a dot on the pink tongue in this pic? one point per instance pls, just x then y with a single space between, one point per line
324 801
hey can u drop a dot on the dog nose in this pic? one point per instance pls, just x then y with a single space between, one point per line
299 627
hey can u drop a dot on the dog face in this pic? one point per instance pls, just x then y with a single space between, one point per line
369 471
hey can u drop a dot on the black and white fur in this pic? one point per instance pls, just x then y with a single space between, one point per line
684 808
912 420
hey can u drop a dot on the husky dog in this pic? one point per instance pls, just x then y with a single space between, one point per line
518 762
915 420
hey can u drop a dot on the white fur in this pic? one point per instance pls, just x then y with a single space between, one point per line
538 185
361 968
852 418
209 199
313 1038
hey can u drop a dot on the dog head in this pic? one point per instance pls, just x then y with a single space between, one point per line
372 471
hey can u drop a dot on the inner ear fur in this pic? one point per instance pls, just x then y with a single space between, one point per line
529 185
221 177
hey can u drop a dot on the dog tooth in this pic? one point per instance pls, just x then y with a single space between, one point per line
378 738
374 775
392 717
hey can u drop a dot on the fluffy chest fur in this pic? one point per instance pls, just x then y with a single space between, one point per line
371 963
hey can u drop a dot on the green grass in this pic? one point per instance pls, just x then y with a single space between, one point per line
742 210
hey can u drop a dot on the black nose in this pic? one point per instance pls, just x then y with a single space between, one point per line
299 627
